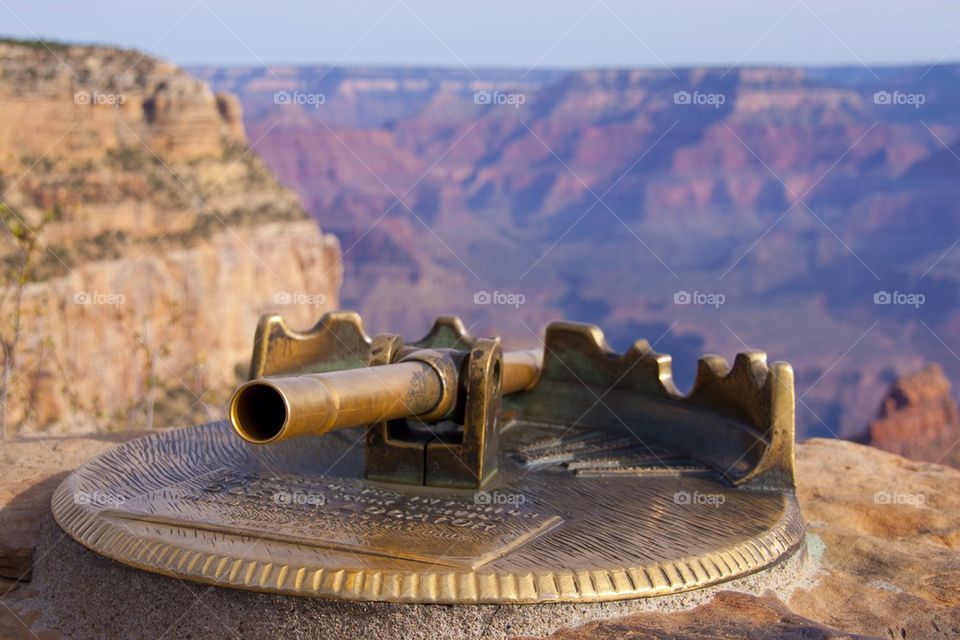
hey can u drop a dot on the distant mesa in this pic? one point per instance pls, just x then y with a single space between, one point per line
919 419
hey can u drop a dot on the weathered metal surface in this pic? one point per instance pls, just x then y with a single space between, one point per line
297 517
600 481
401 394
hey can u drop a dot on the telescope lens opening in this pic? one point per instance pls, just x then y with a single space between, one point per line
260 412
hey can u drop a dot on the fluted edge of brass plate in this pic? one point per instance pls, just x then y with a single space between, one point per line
111 536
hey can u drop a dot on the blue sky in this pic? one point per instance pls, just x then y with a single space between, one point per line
518 33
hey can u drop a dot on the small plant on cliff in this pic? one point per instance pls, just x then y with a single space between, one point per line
24 239
233 150
39 45
127 158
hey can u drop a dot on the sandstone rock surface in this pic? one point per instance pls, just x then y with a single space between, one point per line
30 469
728 615
883 561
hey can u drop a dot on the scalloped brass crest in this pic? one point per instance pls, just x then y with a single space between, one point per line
337 341
749 408
740 420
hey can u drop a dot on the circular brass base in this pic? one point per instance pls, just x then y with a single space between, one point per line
575 515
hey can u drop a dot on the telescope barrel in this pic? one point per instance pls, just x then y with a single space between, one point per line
272 409
520 370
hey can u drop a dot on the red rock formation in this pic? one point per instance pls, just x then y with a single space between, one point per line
918 417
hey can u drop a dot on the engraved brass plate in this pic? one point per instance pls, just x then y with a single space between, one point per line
574 514
341 513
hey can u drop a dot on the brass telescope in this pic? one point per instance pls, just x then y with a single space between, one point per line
584 485
425 384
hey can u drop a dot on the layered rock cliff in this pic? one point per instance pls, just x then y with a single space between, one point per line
142 239
919 419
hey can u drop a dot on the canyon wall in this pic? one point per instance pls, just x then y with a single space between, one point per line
142 239
812 213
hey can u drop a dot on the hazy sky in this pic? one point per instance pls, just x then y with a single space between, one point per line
520 33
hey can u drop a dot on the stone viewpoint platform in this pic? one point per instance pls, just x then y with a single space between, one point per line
881 560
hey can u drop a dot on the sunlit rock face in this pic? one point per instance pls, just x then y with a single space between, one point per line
164 237
918 418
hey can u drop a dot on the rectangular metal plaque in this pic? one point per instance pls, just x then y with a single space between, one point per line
345 514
